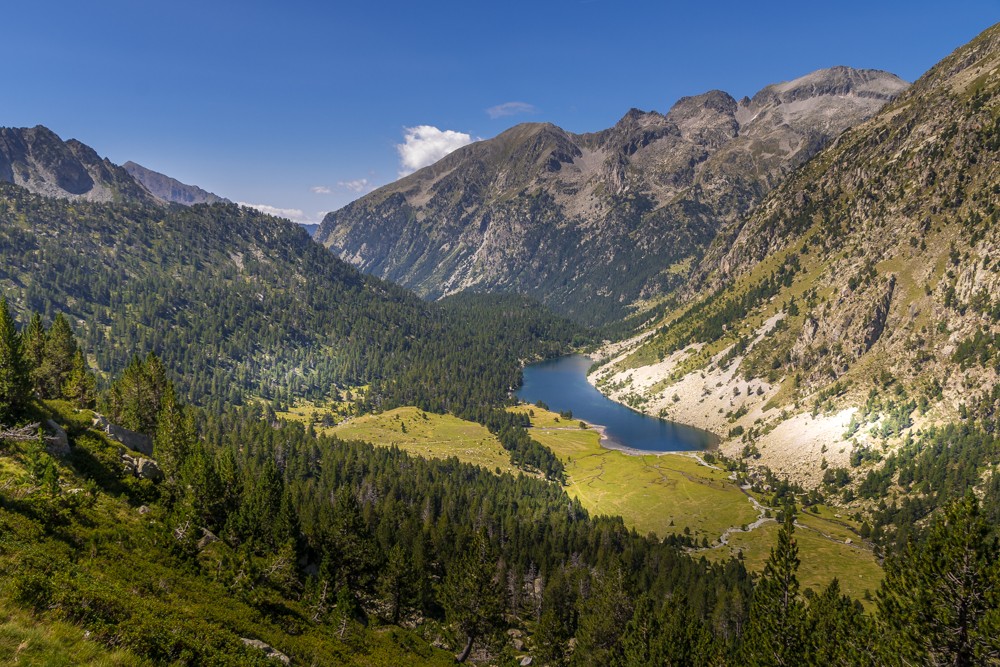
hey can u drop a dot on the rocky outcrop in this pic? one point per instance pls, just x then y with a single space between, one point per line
37 159
57 443
139 442
591 223
269 651
142 468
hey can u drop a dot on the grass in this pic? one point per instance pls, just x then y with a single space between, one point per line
428 435
669 493
821 558
661 494
26 641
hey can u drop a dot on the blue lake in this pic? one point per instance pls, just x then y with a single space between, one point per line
562 385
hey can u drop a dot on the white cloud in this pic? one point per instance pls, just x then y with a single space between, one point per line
320 189
425 144
293 214
510 109
357 185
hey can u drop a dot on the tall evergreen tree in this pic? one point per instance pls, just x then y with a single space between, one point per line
57 358
13 372
603 617
33 339
774 635
939 601
174 435
80 386
473 595
838 632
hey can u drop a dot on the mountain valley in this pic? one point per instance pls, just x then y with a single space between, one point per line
227 440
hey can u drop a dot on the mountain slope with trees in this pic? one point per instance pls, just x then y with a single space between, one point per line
846 335
589 224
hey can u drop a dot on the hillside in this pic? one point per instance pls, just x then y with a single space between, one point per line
246 306
589 224
858 306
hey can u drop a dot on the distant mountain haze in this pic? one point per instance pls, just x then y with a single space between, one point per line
592 223
170 189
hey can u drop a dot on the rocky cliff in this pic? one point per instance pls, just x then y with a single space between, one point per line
170 189
860 301
590 224
37 159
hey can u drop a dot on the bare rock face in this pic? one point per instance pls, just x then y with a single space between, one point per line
268 650
37 159
58 442
139 442
142 468
590 223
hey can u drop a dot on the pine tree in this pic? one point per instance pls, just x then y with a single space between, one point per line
603 616
774 635
137 395
396 584
57 358
80 386
174 436
33 339
13 372
473 595
838 631
938 602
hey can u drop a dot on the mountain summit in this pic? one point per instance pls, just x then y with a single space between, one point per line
37 159
591 223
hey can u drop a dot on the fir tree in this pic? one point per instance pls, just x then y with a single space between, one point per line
34 351
80 385
57 358
13 373
473 595
838 631
938 602
774 635
174 436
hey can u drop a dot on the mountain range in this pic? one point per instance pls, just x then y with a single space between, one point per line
592 223
858 304
812 273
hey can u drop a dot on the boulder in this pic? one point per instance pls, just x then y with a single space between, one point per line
207 537
268 650
57 443
139 442
141 467
149 469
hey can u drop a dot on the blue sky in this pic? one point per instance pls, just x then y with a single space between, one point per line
304 105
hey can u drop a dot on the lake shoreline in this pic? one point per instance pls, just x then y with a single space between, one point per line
562 385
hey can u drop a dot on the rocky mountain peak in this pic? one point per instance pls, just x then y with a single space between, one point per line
37 159
545 212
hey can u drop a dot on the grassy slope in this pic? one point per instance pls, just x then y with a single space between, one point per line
668 493
658 494
427 434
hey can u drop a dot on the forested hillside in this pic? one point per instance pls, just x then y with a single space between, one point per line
259 538
846 335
